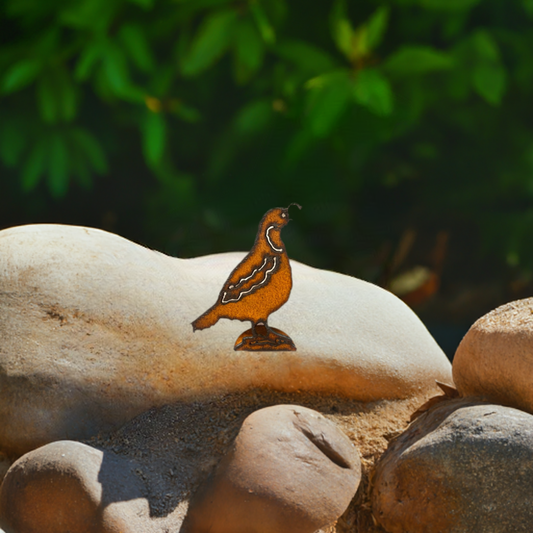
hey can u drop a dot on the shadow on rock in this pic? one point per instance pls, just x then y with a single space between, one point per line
70 486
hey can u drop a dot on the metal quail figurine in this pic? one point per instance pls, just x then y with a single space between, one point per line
259 285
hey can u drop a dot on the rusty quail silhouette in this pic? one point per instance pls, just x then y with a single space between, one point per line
259 285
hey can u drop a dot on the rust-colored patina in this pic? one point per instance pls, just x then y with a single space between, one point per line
259 285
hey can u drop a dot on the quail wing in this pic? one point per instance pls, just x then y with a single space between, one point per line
247 277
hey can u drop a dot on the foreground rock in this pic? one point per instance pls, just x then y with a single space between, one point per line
290 470
69 486
495 358
95 329
462 467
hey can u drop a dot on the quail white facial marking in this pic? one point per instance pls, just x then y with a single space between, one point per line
270 242
253 287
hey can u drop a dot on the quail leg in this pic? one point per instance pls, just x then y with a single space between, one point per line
260 324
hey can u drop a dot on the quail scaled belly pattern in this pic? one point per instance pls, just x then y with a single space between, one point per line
261 283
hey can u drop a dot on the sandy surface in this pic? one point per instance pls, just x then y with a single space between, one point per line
175 447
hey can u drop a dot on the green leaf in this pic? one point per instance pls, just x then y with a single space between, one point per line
528 7
373 91
154 137
210 42
489 81
58 177
249 50
263 24
480 59
328 78
485 46
116 69
376 26
117 76
358 43
35 165
89 14
254 117
327 101
91 148
417 60
47 99
88 59
20 75
13 141
134 40
309 58
56 96
341 28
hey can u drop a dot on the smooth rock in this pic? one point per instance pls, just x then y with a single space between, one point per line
462 467
5 464
95 329
69 486
290 470
140 478
495 358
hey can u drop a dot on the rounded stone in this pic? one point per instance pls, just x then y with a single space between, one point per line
69 486
495 358
290 470
462 467
95 330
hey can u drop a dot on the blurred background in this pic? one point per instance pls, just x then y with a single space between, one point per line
403 127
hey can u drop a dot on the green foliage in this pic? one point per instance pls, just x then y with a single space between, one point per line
212 39
357 43
227 108
19 75
373 91
409 60
154 136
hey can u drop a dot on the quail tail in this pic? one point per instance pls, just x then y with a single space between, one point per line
208 319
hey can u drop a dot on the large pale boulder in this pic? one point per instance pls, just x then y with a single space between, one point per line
95 329
495 358
462 467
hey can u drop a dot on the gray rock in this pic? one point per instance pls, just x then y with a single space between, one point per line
95 330
462 467
290 470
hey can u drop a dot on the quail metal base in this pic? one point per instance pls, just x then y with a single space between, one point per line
265 340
